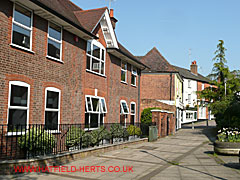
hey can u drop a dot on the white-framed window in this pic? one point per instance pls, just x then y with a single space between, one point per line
189 83
18 106
123 72
96 55
189 99
124 111
95 108
54 48
22 27
134 76
133 113
202 86
52 108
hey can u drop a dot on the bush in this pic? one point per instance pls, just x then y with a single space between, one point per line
146 116
134 130
37 140
232 116
99 135
117 131
74 136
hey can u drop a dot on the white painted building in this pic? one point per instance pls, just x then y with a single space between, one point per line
192 82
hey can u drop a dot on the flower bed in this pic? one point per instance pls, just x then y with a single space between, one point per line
228 141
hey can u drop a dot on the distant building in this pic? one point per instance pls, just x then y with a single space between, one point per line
194 107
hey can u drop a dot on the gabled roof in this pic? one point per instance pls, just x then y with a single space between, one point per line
90 18
156 62
189 75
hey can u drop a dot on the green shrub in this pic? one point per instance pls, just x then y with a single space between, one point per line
117 131
146 116
232 116
99 135
37 140
74 136
134 130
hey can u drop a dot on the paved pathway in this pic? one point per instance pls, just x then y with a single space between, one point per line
186 155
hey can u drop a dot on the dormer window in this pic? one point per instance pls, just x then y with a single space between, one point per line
95 57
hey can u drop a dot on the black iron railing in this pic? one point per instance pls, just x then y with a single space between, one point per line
34 140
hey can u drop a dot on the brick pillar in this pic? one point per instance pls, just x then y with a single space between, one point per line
164 124
156 118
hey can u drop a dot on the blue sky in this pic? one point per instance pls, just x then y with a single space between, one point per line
175 26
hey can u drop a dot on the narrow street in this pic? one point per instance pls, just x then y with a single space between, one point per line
186 155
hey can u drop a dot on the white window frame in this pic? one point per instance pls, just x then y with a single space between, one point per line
135 75
122 110
102 48
22 26
23 84
189 99
55 40
189 83
53 89
125 71
133 114
94 112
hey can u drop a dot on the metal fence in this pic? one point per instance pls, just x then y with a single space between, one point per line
34 140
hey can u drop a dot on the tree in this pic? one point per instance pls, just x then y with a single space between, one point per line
225 85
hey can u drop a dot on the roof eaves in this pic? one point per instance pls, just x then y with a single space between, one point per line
63 18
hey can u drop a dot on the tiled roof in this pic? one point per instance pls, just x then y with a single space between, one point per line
86 19
189 75
64 7
90 18
125 52
156 62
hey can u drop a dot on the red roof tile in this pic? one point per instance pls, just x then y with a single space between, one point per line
156 62
90 18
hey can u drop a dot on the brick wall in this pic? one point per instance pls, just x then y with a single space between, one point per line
70 76
157 86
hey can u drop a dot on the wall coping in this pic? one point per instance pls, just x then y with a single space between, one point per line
163 111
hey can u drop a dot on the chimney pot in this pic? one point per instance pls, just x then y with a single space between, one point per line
113 19
194 68
111 13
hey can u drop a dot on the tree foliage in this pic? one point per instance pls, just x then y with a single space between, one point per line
225 85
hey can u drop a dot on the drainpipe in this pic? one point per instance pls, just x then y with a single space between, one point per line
170 86
139 96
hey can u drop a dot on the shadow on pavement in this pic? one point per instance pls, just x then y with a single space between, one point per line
174 163
232 165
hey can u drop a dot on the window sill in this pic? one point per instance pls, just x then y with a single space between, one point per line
133 85
55 59
15 133
22 48
53 131
96 73
124 82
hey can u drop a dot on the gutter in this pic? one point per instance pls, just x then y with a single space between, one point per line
63 18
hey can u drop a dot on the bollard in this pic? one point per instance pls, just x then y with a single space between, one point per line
207 122
192 125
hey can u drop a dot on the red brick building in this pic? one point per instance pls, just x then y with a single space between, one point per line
161 86
62 64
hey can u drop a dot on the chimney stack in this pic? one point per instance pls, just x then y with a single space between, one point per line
194 68
113 19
